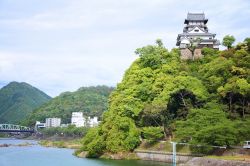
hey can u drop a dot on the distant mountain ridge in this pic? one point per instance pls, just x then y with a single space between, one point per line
18 100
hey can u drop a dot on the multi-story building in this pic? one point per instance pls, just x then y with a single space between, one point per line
196 31
77 119
39 125
92 122
53 122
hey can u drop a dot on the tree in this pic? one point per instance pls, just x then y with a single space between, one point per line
152 56
236 90
158 116
208 126
152 134
247 41
194 45
159 42
228 41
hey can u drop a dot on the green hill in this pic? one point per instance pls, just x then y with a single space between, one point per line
17 100
202 101
92 101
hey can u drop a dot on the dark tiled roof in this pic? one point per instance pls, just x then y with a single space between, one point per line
196 16
197 34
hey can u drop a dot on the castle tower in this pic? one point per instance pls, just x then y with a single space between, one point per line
196 30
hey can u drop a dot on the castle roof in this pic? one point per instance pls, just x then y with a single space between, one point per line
196 17
196 34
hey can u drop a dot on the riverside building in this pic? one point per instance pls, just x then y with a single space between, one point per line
52 122
77 119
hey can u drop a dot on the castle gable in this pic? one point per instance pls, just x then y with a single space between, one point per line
196 29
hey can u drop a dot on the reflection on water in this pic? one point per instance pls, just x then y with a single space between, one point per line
41 156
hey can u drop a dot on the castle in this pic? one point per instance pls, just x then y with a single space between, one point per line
195 32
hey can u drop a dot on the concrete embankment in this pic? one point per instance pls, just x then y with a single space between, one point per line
187 159
162 156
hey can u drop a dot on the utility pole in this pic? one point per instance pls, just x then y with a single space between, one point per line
174 153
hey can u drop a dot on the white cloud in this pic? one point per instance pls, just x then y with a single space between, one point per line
82 43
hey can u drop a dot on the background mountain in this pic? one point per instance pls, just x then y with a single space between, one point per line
17 100
92 101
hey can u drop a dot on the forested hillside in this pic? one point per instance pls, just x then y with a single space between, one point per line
17 100
92 101
204 101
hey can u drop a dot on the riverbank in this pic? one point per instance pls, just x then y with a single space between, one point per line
24 144
162 151
184 159
70 144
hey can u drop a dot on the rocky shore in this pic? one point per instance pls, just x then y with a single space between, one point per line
4 145
23 144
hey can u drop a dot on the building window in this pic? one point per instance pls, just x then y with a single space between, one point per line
196 30
210 38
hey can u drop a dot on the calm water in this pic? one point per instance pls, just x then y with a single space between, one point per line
41 156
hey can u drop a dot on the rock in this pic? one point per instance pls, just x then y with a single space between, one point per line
82 154
4 145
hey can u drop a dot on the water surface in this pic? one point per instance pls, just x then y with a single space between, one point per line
37 155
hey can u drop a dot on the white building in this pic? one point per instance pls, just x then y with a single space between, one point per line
39 125
53 122
92 122
77 119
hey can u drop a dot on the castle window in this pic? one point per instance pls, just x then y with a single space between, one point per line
196 30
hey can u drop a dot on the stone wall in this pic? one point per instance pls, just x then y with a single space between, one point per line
187 160
187 54
162 156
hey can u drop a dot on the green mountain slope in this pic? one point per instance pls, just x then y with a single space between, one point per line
17 100
92 101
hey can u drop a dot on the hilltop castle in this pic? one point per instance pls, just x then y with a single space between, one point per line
195 32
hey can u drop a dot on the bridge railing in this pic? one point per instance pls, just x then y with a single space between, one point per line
12 127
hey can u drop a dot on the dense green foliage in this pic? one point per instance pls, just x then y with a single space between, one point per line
17 100
204 101
70 131
92 101
228 41
152 134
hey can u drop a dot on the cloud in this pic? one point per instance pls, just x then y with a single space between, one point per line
62 45
54 74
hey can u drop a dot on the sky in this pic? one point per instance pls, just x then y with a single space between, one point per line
62 45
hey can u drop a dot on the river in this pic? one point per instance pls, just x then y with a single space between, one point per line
37 155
